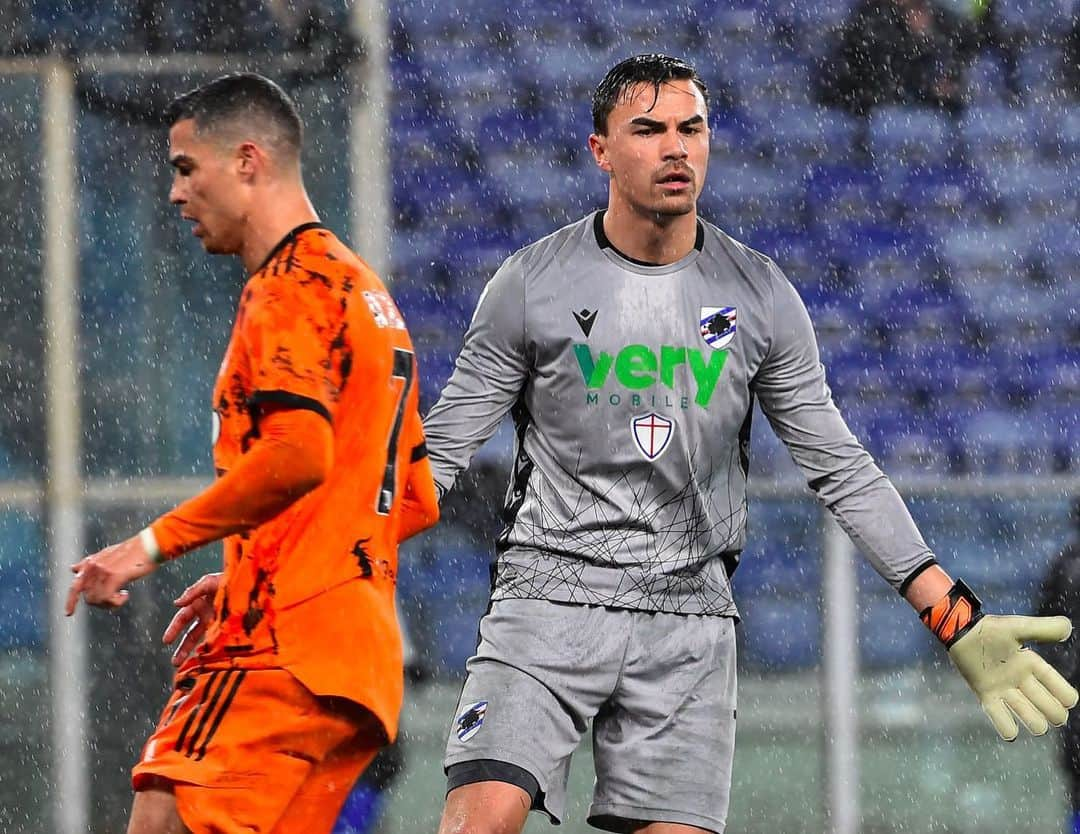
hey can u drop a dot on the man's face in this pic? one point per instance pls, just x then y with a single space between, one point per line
208 189
657 148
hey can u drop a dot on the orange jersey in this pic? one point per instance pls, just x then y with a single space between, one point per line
311 590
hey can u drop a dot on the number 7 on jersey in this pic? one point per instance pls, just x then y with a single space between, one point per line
403 369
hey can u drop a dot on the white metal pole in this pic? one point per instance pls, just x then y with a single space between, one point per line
841 667
369 158
67 637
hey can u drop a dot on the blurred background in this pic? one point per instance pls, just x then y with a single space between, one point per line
910 164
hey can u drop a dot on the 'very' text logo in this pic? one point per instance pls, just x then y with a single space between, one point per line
637 367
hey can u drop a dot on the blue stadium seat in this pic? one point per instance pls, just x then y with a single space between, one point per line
794 249
943 195
1063 132
1040 73
731 136
754 196
1041 19
997 135
780 634
783 552
823 15
983 258
80 25
792 131
908 136
770 567
889 637
1034 191
431 18
842 193
444 584
986 81
758 76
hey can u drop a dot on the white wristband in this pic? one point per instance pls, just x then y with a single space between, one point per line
150 545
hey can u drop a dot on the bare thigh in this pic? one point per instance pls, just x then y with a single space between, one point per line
670 828
485 808
154 812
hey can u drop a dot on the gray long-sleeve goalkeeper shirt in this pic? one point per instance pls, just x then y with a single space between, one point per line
631 388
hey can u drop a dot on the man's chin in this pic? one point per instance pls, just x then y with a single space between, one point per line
212 247
675 208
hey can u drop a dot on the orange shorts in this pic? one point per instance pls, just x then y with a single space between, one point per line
254 750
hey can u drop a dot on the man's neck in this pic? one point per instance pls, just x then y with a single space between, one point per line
270 220
656 239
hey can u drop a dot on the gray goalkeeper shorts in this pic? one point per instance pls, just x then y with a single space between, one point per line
658 688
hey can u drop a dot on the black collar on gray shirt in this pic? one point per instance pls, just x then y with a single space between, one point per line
603 242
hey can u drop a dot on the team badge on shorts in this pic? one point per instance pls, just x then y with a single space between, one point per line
471 720
652 434
717 326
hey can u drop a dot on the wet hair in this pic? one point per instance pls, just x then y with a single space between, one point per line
653 69
241 99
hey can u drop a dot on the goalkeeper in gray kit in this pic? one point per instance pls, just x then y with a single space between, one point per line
630 348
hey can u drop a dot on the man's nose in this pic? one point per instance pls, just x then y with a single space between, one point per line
675 147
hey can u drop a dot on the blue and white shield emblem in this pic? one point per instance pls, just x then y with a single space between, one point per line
717 326
471 720
652 434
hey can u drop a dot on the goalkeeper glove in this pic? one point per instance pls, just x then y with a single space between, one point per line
1008 679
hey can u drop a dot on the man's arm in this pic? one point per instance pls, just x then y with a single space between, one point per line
795 398
291 457
1009 680
490 373
419 502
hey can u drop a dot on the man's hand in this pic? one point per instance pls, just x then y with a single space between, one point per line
196 611
1011 680
99 578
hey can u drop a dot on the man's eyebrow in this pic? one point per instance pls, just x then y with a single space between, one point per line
645 121
180 159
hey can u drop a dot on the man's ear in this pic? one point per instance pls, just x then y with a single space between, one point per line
598 146
249 159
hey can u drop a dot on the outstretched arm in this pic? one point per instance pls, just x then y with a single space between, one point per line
291 457
1011 682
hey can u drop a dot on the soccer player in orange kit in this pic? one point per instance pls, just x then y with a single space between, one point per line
322 470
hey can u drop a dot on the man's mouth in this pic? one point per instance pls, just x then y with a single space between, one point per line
196 227
675 181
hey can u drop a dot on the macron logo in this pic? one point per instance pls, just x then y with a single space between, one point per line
585 320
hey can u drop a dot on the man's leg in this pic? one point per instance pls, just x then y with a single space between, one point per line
485 808
154 812
541 672
665 745
316 805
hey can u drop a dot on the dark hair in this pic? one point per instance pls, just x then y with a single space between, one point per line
654 69
240 96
